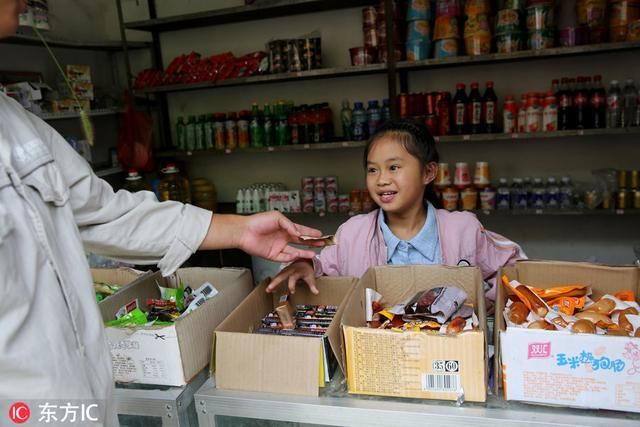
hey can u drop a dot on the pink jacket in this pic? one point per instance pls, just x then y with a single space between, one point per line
360 245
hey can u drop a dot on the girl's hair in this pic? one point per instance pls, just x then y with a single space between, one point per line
417 140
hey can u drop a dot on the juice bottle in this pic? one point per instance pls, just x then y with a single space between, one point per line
243 129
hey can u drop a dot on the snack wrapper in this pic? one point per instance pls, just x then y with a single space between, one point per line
437 303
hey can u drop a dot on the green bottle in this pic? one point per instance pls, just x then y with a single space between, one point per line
191 133
269 129
282 124
208 132
256 130
181 137
200 132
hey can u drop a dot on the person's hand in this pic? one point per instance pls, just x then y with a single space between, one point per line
302 269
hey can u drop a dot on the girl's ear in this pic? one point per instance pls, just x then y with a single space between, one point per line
430 173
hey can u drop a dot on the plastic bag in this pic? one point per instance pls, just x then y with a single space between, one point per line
135 138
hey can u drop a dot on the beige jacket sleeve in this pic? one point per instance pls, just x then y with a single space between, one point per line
132 227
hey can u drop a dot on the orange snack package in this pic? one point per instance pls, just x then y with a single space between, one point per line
567 305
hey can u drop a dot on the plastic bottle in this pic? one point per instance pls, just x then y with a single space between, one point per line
598 104
359 119
374 117
386 110
294 135
522 114
614 105
256 129
581 104
527 188
636 121
509 115
134 182
538 198
630 94
490 109
534 113
304 129
219 131
555 86
231 127
460 112
566 193
243 129
199 133
327 132
475 109
247 198
191 133
316 122
269 128
503 196
173 186
346 115
552 199
282 125
565 106
209 141
181 134
240 201
550 113
518 194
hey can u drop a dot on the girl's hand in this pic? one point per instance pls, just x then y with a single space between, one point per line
302 269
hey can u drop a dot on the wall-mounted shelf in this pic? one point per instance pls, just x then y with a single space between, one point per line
26 36
75 115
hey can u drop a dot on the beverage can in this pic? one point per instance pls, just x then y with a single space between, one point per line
343 203
462 178
307 183
331 184
319 184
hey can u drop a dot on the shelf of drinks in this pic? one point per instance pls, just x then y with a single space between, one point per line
258 11
321 73
26 36
523 55
442 139
75 114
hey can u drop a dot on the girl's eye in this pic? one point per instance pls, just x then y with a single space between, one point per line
371 170
394 167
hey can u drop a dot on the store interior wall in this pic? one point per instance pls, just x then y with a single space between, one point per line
604 238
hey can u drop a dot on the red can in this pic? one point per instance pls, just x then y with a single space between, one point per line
417 105
355 201
319 184
307 183
403 105
430 103
444 114
431 122
332 184
369 17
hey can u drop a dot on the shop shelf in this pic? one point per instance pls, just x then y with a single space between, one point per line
108 171
75 115
25 36
263 10
524 55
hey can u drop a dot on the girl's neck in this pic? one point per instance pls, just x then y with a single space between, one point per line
407 224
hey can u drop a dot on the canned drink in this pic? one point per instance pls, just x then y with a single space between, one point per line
450 197
369 16
461 178
469 197
332 203
294 201
343 203
607 200
634 182
319 203
319 184
636 199
482 177
331 184
370 37
621 199
355 201
367 201
430 103
591 199
444 115
403 105
488 199
307 183
417 104
431 122
623 179
443 178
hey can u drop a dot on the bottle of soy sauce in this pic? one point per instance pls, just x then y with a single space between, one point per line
460 113
489 109
475 109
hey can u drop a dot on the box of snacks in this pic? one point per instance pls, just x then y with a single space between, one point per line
159 328
108 281
568 334
282 343
417 331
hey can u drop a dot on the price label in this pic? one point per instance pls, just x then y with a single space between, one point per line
515 135
228 151
345 144
466 137
581 132
619 211
539 211
306 146
270 149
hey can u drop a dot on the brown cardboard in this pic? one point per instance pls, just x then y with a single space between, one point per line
192 333
380 362
122 276
603 280
243 360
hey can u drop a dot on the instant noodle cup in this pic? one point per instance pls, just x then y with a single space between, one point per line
419 9
362 55
417 50
633 32
476 25
369 17
478 44
449 8
418 29
540 17
623 12
591 12
538 40
446 28
508 21
476 7
509 42
446 48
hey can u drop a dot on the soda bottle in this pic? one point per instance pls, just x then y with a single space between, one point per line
538 198
231 127
552 195
475 109
534 113
490 109
181 134
581 104
522 114
566 193
550 113
386 110
614 105
359 131
256 129
598 104
240 201
282 125
326 123
269 128
209 141
305 135
219 131
630 104
565 106
460 113
191 133
374 117
510 115
503 194
243 129
316 119
294 131
346 115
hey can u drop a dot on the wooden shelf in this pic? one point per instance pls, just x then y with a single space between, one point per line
262 10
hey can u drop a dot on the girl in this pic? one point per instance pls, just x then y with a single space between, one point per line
401 164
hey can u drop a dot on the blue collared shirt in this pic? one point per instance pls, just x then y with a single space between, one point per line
423 248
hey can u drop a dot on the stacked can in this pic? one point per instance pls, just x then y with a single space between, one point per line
343 203
628 194
447 194
509 28
331 192
621 14
477 36
446 29
591 15
381 26
307 194
319 195
540 25
419 17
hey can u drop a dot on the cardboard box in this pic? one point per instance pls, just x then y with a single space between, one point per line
415 364
117 276
243 360
172 355
83 90
78 73
565 369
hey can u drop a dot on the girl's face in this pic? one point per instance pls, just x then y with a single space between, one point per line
396 180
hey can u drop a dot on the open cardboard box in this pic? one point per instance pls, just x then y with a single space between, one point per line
172 355
122 276
565 369
243 360
415 364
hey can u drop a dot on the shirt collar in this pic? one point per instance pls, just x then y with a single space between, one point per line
426 241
